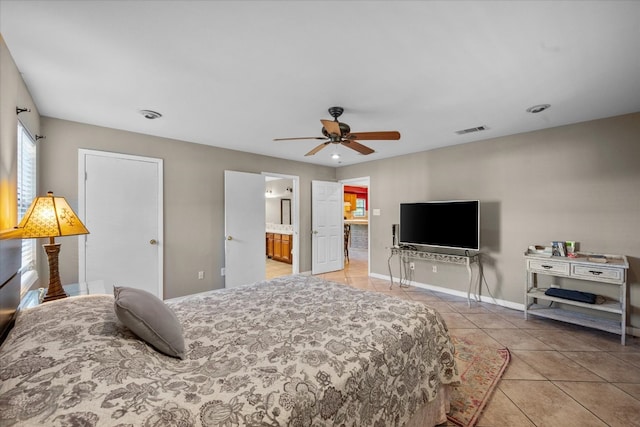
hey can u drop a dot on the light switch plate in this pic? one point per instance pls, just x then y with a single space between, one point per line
376 212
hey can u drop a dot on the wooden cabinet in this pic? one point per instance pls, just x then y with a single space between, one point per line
351 199
269 245
279 247
286 248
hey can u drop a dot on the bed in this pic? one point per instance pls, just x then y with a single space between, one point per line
296 351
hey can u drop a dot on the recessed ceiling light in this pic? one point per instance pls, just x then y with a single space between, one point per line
335 156
149 114
538 108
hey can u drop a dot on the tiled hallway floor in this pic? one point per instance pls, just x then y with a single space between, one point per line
277 269
560 375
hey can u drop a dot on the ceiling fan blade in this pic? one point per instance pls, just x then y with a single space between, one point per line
318 148
378 136
355 145
332 127
302 137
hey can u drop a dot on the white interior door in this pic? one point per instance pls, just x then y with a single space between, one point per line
327 227
244 228
120 199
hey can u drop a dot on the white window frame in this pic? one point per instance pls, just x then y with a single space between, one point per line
27 191
360 208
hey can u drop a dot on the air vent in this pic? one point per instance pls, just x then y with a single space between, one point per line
471 130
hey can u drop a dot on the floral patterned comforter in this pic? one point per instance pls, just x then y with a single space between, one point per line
295 351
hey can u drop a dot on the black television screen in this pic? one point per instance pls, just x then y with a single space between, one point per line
450 224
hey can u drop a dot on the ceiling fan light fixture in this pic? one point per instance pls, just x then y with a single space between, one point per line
150 114
345 129
335 132
335 156
538 108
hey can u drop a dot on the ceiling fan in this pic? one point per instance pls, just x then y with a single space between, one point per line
336 132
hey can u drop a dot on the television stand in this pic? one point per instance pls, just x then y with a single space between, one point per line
466 260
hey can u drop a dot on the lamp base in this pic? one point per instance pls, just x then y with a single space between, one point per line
56 294
55 290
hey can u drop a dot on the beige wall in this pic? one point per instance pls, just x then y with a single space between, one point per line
278 188
13 92
578 182
193 196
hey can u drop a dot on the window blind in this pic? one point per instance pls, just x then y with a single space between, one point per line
26 193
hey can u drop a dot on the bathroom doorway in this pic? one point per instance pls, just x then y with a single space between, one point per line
281 237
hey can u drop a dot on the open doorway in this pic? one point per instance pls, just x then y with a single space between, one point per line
281 237
356 223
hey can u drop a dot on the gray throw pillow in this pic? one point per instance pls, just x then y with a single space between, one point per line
148 317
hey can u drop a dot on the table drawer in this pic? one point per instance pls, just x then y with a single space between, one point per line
597 273
549 267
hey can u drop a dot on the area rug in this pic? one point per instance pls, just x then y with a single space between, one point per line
480 368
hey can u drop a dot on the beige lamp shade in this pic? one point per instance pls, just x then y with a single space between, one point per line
50 216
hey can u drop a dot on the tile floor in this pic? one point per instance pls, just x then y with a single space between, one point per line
277 269
559 375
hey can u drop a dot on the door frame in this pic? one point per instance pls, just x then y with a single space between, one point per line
82 155
295 218
365 180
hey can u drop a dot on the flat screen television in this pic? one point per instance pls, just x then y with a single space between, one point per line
448 224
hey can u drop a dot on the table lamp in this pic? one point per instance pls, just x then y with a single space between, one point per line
50 216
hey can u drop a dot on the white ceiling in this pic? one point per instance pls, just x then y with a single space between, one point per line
236 74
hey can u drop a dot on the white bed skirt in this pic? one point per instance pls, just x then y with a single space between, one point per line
434 412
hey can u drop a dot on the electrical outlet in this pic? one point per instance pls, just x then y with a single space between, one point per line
412 265
435 268
222 271
200 275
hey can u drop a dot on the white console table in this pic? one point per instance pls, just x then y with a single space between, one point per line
613 272
466 260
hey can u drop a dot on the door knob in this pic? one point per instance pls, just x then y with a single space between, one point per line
229 238
314 232
153 241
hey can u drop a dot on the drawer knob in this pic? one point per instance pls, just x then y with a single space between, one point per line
547 266
595 273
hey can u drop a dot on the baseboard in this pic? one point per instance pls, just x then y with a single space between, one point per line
502 303
482 298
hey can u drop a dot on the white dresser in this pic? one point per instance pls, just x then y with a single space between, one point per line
611 273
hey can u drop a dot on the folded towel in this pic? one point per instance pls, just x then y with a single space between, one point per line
574 295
